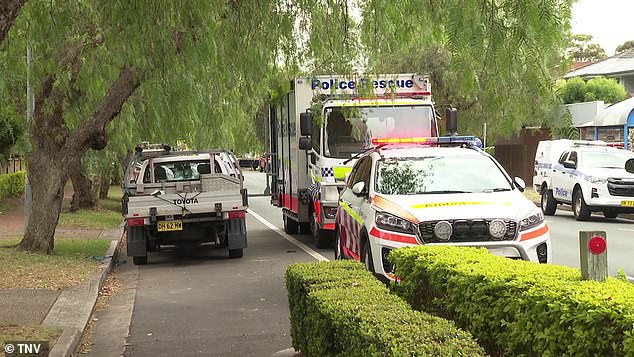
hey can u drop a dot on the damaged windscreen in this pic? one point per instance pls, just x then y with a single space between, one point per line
350 130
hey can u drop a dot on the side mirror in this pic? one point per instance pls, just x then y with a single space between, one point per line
519 183
629 166
358 188
306 123
451 120
570 164
305 143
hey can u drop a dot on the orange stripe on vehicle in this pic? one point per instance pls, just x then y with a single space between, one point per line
535 233
388 206
394 237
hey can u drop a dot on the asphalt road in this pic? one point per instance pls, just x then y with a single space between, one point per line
564 232
203 303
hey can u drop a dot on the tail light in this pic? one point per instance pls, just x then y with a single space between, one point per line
237 214
136 222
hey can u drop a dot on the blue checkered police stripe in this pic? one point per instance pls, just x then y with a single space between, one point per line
327 172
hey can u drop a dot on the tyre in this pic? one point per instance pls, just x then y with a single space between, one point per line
610 214
236 253
304 228
290 226
549 204
339 255
367 256
579 207
321 237
139 260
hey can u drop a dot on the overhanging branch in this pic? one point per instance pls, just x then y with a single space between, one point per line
91 133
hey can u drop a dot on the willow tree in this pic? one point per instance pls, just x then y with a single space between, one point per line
496 58
193 66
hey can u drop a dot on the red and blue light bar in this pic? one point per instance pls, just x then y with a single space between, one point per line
470 140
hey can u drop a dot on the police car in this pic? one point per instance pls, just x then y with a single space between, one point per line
590 178
413 191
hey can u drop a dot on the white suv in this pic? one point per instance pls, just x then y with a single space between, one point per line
400 196
590 178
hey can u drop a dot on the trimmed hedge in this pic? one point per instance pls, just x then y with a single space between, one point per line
515 307
339 308
12 185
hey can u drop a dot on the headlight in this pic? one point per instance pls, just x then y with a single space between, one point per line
532 221
597 180
392 223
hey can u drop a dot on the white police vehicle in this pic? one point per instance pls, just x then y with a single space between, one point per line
590 178
413 191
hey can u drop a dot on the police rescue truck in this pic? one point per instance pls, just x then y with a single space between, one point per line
321 124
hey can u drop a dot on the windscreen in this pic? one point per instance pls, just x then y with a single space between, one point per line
439 174
350 130
606 159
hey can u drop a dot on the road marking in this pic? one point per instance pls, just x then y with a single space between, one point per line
299 244
625 229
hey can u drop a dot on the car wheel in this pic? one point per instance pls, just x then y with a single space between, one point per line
549 204
290 226
321 237
579 207
236 253
139 260
339 255
610 214
367 256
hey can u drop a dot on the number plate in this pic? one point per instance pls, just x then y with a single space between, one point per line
166 226
627 203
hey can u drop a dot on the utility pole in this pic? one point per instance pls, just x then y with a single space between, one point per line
28 195
484 144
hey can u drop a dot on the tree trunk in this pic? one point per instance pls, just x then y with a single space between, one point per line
104 186
55 147
83 196
47 176
9 10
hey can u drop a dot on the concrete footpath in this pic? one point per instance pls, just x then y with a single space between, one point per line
68 309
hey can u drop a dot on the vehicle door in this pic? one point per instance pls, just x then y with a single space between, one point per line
352 204
569 175
561 178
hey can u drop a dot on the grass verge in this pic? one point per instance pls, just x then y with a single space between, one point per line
68 266
29 333
107 216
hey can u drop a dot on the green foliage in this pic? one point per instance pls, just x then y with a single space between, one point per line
491 60
514 307
625 46
576 90
397 178
605 89
12 185
11 129
339 309
565 130
583 50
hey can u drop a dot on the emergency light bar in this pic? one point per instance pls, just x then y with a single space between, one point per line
470 140
589 143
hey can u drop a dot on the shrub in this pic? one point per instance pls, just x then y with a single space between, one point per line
515 307
12 185
338 308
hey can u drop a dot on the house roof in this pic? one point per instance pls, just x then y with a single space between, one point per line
617 64
615 114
